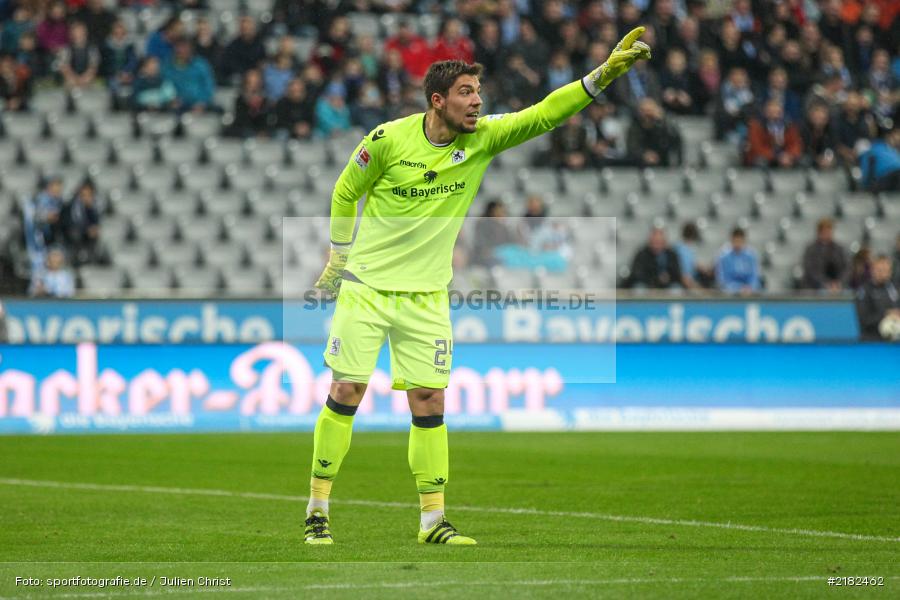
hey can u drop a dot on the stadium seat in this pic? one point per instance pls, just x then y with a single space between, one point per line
247 229
704 182
9 151
65 127
364 24
789 182
199 282
814 206
565 205
321 178
153 229
567 280
223 151
132 152
857 205
580 182
130 256
85 151
265 152
746 181
340 149
131 202
23 126
21 179
157 178
769 206
178 151
829 181
665 181
286 177
177 203
622 181
523 155
606 205
48 155
646 207
72 176
244 178
205 230
91 101
199 178
268 254
156 125
115 229
99 281
201 127
50 101
172 254
541 181
266 203
223 254
248 281
688 206
151 281
222 202
114 126
718 155
304 154
730 207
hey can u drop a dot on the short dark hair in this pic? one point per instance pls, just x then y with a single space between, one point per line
442 74
690 232
738 232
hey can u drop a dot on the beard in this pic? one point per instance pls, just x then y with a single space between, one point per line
454 126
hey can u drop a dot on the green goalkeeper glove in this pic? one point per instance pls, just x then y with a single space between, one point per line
330 279
624 55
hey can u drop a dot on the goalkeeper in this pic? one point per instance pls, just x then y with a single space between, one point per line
420 175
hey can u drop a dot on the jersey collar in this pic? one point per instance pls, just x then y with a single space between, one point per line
425 135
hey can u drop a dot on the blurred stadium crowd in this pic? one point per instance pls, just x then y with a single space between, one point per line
154 145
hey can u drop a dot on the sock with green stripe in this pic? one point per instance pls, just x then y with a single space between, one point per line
429 461
331 441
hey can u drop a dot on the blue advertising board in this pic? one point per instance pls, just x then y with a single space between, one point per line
249 322
280 386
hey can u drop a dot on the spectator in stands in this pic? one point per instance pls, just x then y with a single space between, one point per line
295 112
652 140
879 161
693 274
681 93
314 79
192 77
529 46
833 65
206 43
413 49
778 89
877 299
733 107
819 137
279 71
29 55
79 62
53 31
737 267
569 144
97 19
81 225
161 43
368 56
825 265
605 134
639 83
392 78
491 231
151 91
48 205
367 110
880 77
252 109
13 29
15 84
709 78
56 280
854 123
521 85
118 61
772 141
246 51
656 265
534 216
453 43
736 52
860 269
799 67
559 71
332 113
333 46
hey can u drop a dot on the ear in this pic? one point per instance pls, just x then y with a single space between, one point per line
437 101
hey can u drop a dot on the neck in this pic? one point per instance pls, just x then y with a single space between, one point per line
436 129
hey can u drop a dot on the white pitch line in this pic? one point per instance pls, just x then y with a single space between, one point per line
509 511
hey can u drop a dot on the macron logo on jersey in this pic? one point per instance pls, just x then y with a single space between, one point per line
362 158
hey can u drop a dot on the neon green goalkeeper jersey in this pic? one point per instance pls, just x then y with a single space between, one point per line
417 193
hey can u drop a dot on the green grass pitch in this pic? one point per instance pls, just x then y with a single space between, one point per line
631 515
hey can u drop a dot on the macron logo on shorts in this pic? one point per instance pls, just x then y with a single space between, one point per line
362 158
335 348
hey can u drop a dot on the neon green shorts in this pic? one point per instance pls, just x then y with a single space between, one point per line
416 325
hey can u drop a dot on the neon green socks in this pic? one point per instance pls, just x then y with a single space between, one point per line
331 440
429 461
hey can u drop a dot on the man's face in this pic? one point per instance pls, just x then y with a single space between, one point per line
881 270
738 242
55 188
462 105
826 234
657 240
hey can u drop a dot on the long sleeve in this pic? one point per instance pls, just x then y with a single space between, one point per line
508 130
364 167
